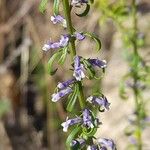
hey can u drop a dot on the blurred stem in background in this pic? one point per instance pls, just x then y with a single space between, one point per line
138 102
124 15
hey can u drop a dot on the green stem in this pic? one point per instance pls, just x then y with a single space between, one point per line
66 8
135 75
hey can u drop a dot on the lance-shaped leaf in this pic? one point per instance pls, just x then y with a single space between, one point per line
85 12
72 98
95 38
42 6
72 135
52 71
89 68
56 7
63 56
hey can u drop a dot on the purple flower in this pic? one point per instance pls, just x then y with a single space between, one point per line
78 69
58 19
60 94
92 147
87 119
107 143
64 41
55 45
99 63
51 45
78 141
99 101
70 122
132 140
47 46
103 148
62 85
79 36
78 2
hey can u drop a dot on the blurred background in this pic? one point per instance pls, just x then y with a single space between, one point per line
28 118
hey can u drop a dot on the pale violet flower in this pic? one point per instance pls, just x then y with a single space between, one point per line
59 19
79 36
47 46
99 101
78 142
99 63
92 147
106 143
62 85
78 2
64 41
70 122
60 94
78 69
87 119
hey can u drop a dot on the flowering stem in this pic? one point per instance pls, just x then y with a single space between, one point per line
66 8
135 75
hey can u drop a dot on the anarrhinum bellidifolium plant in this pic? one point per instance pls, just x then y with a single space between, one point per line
82 123
138 77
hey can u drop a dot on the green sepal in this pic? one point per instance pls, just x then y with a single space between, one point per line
51 61
56 7
95 38
72 98
42 6
85 12
72 135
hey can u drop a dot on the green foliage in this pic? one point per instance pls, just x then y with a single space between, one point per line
73 98
60 57
56 7
42 6
95 38
120 11
4 106
73 135
85 12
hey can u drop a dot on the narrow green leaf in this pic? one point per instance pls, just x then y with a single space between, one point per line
72 98
63 56
56 7
89 68
51 61
89 132
85 12
72 135
95 38
42 6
